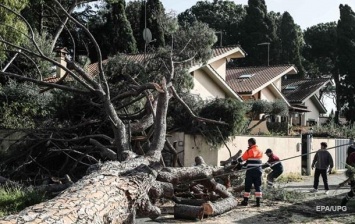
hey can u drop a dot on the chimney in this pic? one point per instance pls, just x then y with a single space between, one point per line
60 56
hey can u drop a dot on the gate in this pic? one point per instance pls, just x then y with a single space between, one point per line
340 153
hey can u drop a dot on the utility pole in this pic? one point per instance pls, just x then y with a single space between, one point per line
268 51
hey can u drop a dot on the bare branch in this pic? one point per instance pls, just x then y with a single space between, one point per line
104 151
53 85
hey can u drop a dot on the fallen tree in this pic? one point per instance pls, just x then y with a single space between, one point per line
132 177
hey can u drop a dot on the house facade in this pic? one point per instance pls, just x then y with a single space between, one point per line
210 78
305 93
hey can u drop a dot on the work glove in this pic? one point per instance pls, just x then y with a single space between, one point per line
312 167
330 171
239 166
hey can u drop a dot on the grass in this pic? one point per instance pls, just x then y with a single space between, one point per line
290 177
15 199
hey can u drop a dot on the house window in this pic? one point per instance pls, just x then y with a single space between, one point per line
290 87
246 76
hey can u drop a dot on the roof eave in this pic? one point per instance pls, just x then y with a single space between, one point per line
221 83
290 71
236 52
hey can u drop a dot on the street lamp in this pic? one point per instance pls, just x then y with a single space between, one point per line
268 50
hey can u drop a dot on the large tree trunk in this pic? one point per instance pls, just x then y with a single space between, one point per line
116 192
112 194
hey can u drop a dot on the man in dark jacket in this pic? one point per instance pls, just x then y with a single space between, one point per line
322 161
275 164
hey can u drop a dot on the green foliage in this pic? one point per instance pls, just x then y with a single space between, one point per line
134 10
228 110
154 12
178 117
291 42
22 106
194 40
257 28
15 199
222 16
318 39
279 107
259 107
282 194
113 33
346 55
121 31
332 129
12 27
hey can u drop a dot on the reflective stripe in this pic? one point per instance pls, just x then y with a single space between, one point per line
273 164
258 159
246 194
258 194
253 164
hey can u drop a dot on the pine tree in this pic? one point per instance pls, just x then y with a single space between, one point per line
155 13
258 28
121 35
291 40
346 55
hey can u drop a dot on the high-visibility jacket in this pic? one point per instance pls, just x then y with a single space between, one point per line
253 156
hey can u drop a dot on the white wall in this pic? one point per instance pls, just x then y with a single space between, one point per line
277 83
266 94
205 86
314 114
283 147
220 67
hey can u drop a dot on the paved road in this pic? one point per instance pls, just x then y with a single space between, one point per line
307 184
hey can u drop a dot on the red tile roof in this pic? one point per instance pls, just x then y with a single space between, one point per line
93 68
259 76
297 90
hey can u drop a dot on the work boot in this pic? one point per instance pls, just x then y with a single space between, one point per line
257 202
244 202
344 201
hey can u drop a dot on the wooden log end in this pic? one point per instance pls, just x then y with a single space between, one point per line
207 208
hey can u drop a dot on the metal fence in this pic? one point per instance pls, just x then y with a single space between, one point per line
340 153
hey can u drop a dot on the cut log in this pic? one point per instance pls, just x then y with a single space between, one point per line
220 207
188 212
189 201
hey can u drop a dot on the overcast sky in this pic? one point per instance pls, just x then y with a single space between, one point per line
305 13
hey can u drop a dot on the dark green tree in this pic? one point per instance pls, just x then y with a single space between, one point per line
134 12
320 61
258 28
291 43
152 17
121 31
346 54
222 16
11 27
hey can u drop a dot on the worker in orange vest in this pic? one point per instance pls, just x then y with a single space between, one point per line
252 156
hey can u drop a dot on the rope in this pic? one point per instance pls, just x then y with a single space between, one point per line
242 170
